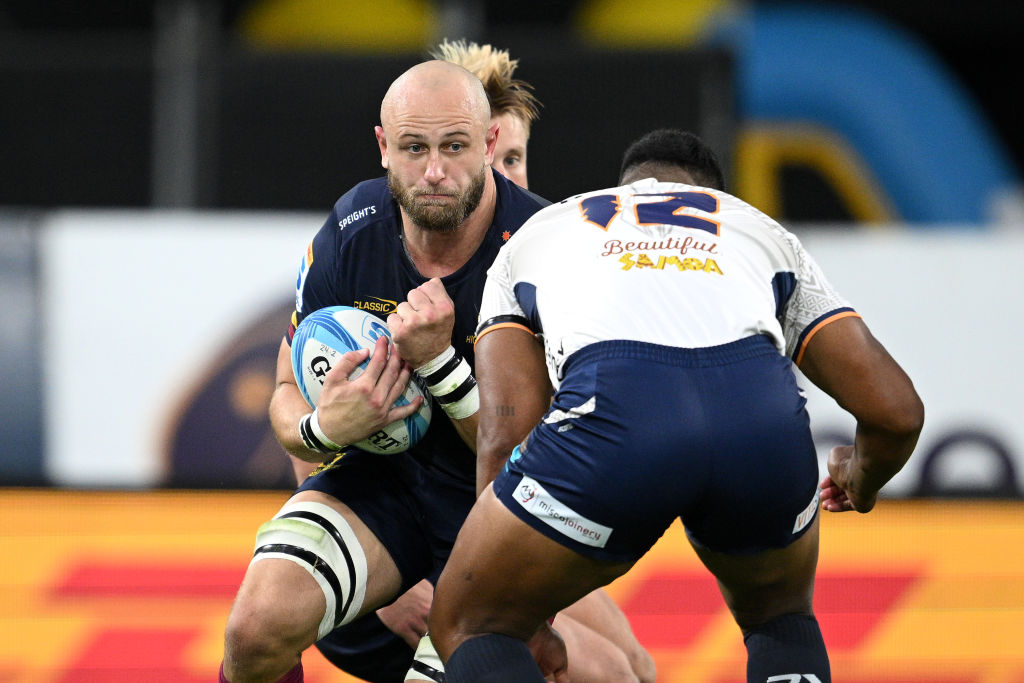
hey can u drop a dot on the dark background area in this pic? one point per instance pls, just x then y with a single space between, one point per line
72 48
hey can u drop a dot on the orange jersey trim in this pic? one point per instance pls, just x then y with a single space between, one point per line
498 326
814 330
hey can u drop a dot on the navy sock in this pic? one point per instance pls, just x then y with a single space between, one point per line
492 658
790 647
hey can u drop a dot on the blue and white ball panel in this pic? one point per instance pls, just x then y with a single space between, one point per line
320 341
640 434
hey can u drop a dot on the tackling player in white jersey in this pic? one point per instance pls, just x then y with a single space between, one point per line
667 316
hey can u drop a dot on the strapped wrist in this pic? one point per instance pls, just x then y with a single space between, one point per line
450 380
434 364
314 437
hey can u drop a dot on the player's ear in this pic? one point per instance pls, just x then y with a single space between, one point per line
382 143
491 141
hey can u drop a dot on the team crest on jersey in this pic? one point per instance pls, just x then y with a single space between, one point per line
300 282
375 304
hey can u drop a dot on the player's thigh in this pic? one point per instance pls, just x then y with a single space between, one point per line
382 576
505 577
592 657
385 507
281 593
763 585
598 612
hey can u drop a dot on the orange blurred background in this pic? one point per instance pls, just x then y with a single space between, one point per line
128 586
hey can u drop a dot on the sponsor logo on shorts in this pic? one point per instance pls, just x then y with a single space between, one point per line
525 493
805 517
542 505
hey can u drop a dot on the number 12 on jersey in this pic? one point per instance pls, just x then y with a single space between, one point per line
671 210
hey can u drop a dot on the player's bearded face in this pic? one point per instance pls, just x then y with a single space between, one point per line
439 215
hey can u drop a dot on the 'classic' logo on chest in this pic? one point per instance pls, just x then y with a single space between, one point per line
375 304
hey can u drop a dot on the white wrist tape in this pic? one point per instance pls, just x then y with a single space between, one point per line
313 436
432 365
450 380
465 406
314 422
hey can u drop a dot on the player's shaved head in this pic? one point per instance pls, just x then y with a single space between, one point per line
437 143
428 82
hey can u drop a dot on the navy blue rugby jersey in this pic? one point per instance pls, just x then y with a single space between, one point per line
357 259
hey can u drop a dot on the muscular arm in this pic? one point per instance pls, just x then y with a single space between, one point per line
849 364
514 394
468 429
287 407
422 328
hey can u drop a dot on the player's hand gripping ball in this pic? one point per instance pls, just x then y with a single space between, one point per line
320 341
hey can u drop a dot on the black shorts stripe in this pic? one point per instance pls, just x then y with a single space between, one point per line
314 561
342 610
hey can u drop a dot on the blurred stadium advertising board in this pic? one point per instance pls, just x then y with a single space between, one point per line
115 586
159 334
21 422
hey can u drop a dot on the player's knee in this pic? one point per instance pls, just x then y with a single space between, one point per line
246 642
446 631
257 646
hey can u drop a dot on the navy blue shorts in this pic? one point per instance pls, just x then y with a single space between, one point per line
640 434
415 511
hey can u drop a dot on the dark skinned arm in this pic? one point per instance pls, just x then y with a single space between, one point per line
851 366
514 394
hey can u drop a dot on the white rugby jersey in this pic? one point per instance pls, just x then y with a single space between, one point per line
663 263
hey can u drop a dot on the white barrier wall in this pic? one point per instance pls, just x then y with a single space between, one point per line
947 305
136 305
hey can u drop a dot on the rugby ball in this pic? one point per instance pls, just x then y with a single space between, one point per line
320 341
